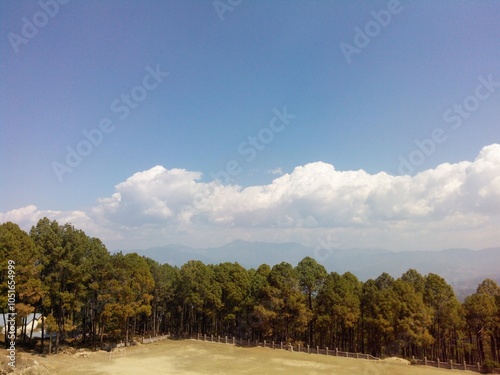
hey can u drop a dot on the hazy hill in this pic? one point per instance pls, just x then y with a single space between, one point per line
463 268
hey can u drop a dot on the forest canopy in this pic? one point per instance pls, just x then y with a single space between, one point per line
89 296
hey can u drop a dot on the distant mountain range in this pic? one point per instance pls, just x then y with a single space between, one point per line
464 269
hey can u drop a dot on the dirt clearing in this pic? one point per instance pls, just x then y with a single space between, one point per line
193 357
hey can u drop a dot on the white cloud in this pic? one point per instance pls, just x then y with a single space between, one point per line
29 215
26 216
453 205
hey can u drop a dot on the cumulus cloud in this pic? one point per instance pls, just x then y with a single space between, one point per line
26 216
451 205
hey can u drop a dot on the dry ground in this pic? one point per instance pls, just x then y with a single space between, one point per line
193 357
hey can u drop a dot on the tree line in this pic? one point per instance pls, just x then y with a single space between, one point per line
87 294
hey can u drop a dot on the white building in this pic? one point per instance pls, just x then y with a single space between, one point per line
32 321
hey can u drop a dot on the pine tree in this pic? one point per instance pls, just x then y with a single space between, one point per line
311 276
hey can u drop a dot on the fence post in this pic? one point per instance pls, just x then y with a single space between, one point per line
233 340
212 338
478 367
281 345
273 344
317 349
291 347
308 349
204 337
327 350
226 339
336 352
465 365
451 364
299 348
198 336
438 362
218 338
264 343
425 361
357 355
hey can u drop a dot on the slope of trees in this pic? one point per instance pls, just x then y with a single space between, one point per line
89 296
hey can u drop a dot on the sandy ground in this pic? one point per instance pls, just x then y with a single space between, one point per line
193 357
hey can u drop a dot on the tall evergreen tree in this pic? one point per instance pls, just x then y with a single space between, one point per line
311 276
17 246
61 251
127 294
446 317
287 302
235 289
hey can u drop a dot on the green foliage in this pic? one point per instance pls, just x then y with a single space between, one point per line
16 245
311 277
80 287
482 313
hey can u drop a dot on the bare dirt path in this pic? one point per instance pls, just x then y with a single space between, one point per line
193 357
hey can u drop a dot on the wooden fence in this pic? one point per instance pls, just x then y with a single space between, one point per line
117 352
149 340
282 346
316 350
452 366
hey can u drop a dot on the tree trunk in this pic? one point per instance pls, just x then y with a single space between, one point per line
6 331
154 321
134 327
311 321
43 333
101 338
126 331
84 325
58 334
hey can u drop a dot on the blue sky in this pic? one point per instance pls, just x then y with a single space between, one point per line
226 80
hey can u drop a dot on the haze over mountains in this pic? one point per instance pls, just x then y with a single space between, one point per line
464 269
